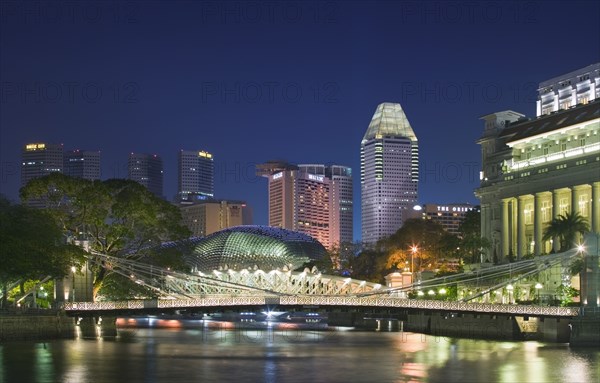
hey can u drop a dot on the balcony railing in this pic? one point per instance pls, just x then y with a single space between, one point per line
536 161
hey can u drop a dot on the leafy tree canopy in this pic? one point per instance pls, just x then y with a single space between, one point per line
119 217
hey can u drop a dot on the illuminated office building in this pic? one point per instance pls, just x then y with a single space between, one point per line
389 172
40 159
196 174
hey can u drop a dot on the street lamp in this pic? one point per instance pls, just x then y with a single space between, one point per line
413 251
73 270
538 287
510 288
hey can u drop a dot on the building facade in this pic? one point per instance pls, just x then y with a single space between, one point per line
40 159
534 171
204 216
147 169
195 174
449 216
314 199
389 172
569 90
82 164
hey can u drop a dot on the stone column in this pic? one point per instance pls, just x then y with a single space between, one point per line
575 192
537 222
505 228
595 208
555 214
520 226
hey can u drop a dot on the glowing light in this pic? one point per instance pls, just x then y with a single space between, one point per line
580 248
442 291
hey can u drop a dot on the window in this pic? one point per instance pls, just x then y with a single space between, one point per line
563 206
528 214
546 211
582 205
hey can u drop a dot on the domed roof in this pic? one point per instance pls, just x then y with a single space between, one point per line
250 247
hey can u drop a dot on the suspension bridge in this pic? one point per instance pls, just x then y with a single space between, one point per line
310 288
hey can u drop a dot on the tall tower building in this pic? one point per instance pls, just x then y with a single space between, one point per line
389 172
40 159
196 174
341 201
314 199
82 164
281 176
147 169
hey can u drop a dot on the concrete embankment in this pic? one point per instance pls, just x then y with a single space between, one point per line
464 325
38 326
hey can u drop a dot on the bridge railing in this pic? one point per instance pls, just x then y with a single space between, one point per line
325 300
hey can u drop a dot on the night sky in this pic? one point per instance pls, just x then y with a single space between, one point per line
254 81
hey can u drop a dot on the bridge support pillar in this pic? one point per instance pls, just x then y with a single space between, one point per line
88 327
107 326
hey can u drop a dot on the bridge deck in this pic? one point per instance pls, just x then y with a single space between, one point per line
322 300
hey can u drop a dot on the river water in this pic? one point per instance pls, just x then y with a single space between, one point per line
291 354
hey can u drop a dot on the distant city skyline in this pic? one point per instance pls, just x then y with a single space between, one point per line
165 77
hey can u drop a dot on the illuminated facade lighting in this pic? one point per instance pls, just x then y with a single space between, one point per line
389 171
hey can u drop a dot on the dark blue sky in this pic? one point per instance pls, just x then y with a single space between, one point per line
253 81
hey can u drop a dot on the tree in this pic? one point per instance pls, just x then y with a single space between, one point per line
565 228
32 247
471 241
120 218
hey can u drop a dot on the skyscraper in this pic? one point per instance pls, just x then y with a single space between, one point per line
40 159
341 200
196 174
82 164
389 172
147 169
314 199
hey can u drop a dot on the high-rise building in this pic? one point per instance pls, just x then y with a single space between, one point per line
40 159
204 215
82 164
569 90
147 169
314 199
196 174
341 202
281 176
389 172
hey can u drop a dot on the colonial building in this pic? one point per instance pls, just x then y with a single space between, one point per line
534 171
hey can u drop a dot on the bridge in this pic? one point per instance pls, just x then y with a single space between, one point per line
230 289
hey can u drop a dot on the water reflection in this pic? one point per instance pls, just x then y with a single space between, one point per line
226 353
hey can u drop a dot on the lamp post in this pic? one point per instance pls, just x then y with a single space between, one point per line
538 287
73 270
413 251
510 288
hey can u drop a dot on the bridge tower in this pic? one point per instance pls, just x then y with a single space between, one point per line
78 285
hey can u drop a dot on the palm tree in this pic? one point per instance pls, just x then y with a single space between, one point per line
565 228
